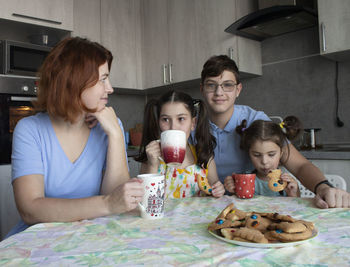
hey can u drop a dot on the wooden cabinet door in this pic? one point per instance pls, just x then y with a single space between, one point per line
334 25
183 45
121 33
53 13
87 17
155 43
212 18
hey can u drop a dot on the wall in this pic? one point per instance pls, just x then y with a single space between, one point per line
129 108
298 81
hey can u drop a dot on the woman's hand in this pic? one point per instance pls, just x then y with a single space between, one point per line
125 197
229 184
292 188
218 189
108 120
153 153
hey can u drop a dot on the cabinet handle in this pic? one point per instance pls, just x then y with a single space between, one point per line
323 35
170 73
164 67
230 53
34 18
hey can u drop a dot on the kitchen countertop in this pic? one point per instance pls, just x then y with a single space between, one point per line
326 154
309 154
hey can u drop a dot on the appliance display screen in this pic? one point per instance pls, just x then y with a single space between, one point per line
26 59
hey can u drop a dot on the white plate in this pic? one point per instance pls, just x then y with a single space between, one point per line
268 245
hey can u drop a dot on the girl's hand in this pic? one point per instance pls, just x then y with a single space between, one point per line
292 188
108 120
229 184
125 197
153 153
218 189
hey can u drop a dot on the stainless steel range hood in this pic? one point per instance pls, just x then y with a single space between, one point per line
275 20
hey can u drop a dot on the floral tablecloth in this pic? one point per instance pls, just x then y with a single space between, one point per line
180 239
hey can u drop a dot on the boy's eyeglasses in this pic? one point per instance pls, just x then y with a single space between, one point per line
212 87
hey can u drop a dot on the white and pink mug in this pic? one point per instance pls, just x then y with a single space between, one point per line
152 205
173 144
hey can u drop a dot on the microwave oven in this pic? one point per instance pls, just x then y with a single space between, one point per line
24 59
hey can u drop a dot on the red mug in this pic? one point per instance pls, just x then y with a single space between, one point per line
244 185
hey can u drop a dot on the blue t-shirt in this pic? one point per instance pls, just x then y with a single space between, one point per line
262 188
36 150
229 158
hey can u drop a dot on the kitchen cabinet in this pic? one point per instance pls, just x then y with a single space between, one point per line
121 34
169 45
213 17
9 216
334 24
54 13
87 18
180 35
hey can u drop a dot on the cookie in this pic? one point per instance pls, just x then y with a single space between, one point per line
203 184
223 223
236 214
226 210
269 237
288 227
275 182
251 235
309 225
290 237
227 233
255 221
280 217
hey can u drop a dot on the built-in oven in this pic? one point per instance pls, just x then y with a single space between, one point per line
16 96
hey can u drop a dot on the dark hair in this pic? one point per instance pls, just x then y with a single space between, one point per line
216 65
205 141
71 67
262 130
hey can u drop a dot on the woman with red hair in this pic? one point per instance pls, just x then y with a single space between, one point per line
63 170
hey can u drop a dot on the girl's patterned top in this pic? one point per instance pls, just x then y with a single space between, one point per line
182 183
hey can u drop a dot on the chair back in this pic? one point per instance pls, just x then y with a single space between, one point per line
336 180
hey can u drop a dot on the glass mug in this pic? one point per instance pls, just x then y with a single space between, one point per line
173 146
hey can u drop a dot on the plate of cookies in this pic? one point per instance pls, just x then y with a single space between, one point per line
260 229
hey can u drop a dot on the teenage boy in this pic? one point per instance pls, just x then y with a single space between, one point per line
220 86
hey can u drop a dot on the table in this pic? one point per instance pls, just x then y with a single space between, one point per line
180 239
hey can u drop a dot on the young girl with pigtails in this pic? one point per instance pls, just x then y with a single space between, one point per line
265 143
179 111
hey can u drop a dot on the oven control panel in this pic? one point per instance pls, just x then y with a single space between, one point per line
18 85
